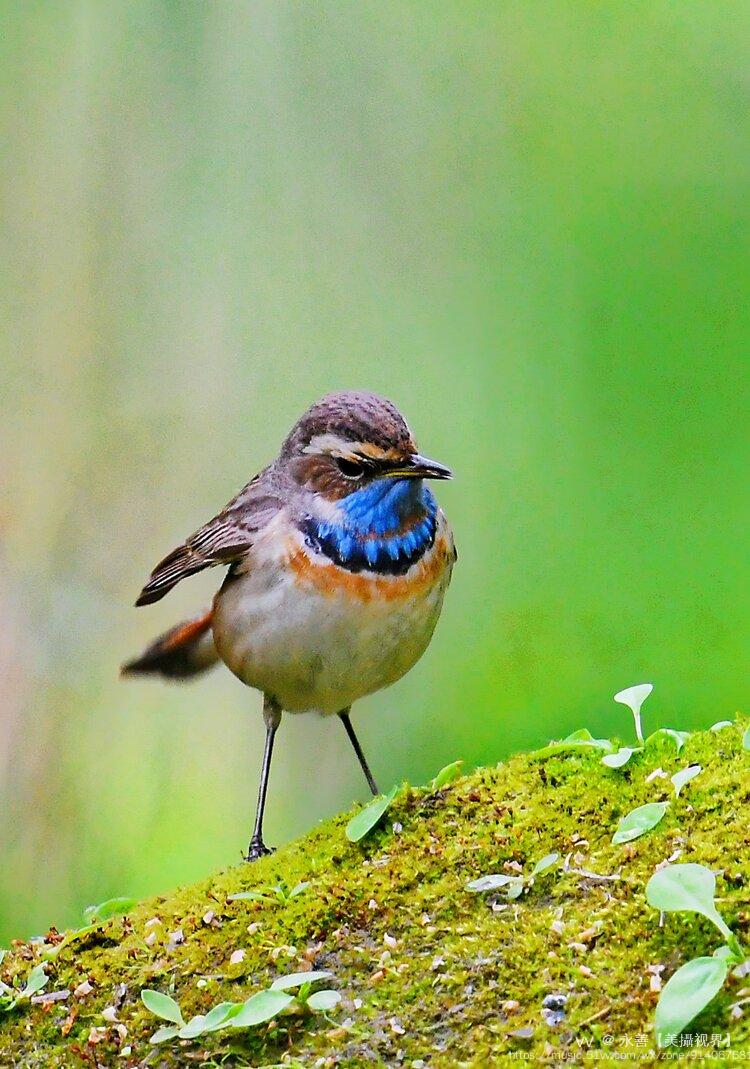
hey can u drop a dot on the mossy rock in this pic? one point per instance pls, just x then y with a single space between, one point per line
431 974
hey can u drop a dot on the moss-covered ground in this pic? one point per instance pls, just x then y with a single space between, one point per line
431 974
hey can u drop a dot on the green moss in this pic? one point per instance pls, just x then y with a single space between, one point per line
447 991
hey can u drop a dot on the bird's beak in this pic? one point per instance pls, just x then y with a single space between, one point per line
419 467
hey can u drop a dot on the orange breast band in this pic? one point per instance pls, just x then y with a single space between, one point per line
331 579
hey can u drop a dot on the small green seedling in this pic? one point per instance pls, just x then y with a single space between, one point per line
679 738
621 758
683 777
318 1001
746 739
363 822
261 1007
638 821
94 916
36 981
514 885
690 888
445 776
279 893
634 697
581 739
720 725
105 911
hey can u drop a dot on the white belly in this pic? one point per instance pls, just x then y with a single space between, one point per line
318 640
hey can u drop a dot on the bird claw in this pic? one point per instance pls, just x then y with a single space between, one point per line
257 849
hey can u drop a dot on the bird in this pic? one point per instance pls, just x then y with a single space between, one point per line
338 558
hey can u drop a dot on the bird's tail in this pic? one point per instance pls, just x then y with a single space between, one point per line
180 653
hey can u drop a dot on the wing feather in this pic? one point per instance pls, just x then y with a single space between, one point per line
225 538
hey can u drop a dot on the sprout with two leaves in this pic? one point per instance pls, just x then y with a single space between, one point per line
690 888
261 1007
514 886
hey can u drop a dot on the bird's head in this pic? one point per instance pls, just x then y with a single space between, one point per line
349 441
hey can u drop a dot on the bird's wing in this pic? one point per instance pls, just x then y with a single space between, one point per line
225 538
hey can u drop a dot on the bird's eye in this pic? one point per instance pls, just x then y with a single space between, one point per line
350 469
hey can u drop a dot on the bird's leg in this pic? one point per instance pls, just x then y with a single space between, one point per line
272 717
344 717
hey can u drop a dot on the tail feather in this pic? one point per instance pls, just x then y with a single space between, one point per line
180 653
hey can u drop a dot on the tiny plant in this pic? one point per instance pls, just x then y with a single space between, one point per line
105 911
363 822
621 758
514 885
634 697
679 738
261 1007
690 888
36 981
581 739
445 776
279 893
94 916
683 777
638 821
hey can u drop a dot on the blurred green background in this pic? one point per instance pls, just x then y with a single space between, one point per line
527 224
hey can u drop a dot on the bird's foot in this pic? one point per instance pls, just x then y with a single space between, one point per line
257 849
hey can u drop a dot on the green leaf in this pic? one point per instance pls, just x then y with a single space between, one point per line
218 1015
113 907
445 776
492 882
163 1006
71 937
36 981
364 821
686 993
193 1028
746 739
679 738
263 1006
299 888
683 777
515 889
720 725
250 896
321 1001
575 741
724 952
545 863
690 888
161 1035
297 979
634 697
621 758
639 821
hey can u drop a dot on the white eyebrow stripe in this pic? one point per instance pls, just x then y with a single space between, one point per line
328 443
332 445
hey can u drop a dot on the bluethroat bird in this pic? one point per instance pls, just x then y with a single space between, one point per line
338 558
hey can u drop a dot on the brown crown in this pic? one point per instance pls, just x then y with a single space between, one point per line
356 416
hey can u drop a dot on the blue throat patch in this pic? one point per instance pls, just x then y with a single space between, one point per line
385 527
